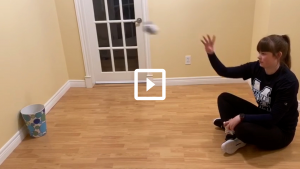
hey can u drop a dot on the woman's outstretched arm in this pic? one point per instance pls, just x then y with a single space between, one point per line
242 71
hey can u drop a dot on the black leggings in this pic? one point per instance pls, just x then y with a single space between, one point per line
270 138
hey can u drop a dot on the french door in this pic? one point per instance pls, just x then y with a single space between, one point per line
116 39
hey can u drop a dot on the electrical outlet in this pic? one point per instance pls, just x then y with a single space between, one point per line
188 60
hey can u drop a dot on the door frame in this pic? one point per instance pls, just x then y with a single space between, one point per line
87 58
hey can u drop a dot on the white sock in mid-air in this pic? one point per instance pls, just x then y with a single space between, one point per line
150 28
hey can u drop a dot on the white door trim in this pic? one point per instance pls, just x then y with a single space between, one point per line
147 39
86 51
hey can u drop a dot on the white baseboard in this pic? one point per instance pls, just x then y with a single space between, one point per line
89 83
13 143
196 80
202 80
9 147
120 82
55 98
77 83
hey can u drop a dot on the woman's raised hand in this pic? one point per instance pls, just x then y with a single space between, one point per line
209 44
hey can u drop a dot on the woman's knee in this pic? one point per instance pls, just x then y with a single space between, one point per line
244 132
224 96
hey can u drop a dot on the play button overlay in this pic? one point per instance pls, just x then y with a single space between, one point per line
159 89
149 84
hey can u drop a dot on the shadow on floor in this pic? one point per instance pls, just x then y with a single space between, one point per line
263 158
259 158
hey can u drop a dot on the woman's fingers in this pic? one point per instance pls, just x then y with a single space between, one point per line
213 40
208 42
209 39
230 127
205 39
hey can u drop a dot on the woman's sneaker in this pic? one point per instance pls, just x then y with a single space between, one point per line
219 123
232 145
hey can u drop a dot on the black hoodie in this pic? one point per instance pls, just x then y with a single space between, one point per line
276 93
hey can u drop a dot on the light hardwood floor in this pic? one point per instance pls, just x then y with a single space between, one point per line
106 128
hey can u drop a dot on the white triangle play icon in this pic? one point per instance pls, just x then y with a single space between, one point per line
149 84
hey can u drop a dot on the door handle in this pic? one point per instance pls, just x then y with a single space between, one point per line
138 20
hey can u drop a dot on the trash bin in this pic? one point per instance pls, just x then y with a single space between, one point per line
35 119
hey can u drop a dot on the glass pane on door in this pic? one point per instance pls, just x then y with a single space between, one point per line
99 10
102 35
105 59
119 60
130 34
114 9
116 34
128 9
132 59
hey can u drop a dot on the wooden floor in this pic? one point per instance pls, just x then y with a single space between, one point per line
106 128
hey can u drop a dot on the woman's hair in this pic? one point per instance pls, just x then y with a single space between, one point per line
275 44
